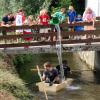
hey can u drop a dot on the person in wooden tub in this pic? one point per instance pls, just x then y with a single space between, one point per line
50 75
66 69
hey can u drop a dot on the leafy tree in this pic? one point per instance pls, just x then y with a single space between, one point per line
79 6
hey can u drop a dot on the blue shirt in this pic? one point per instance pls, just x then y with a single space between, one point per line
5 19
71 15
79 28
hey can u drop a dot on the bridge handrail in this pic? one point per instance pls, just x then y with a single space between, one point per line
51 34
97 23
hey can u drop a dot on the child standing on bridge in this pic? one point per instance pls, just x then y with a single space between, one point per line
29 22
19 21
43 19
71 19
89 16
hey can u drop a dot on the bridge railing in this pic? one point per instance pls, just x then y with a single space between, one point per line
64 33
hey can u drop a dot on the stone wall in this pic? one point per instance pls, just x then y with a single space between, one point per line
88 57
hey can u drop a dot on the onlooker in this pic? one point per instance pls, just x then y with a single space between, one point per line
43 19
89 16
50 75
29 22
7 21
19 21
78 28
71 17
79 19
61 15
58 17
66 68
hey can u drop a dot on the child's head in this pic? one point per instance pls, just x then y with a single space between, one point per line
30 17
71 8
47 66
20 11
43 12
88 10
65 62
63 9
79 16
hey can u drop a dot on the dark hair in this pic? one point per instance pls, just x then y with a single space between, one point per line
47 64
64 62
9 13
20 10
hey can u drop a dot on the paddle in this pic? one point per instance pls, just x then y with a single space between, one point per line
39 73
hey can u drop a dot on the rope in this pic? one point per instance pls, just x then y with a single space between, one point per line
59 50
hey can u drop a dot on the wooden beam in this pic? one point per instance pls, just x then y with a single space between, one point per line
74 70
51 34
37 27
41 43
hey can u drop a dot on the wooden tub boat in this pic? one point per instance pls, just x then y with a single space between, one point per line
55 87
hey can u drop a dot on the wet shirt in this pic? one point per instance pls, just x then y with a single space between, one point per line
51 75
65 68
71 15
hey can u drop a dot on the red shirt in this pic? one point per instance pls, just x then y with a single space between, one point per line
44 19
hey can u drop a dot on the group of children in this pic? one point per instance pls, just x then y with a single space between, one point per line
53 75
43 18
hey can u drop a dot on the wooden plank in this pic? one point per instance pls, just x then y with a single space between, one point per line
37 27
74 70
49 43
25 27
51 34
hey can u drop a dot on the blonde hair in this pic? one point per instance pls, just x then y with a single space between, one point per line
30 17
71 8
88 10
43 11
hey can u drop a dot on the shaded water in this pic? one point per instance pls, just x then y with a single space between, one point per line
84 86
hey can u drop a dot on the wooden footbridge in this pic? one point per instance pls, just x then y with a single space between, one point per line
71 41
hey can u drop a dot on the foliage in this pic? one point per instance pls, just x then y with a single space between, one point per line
10 83
14 85
30 6
79 6
62 3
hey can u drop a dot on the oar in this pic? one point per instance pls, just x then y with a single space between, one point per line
41 81
75 70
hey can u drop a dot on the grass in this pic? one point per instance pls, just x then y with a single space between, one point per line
11 86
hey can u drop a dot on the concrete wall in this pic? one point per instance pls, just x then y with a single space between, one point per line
88 57
97 61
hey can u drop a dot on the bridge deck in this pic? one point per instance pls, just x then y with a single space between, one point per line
52 49
68 45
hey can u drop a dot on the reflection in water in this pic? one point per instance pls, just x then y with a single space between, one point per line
84 86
